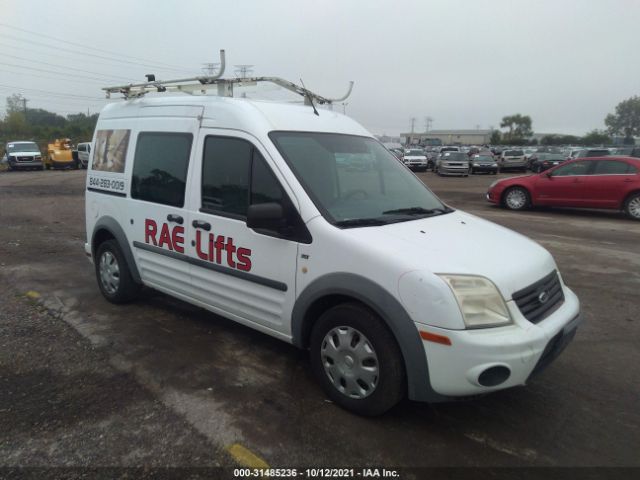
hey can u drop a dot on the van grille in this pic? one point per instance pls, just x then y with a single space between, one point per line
539 300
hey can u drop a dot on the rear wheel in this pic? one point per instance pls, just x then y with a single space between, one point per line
516 198
357 360
113 274
632 206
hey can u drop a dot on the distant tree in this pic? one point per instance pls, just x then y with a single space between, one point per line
496 138
596 137
15 126
519 127
15 103
626 120
38 116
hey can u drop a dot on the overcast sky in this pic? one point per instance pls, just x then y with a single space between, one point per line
465 63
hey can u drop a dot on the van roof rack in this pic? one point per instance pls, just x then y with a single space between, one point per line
224 86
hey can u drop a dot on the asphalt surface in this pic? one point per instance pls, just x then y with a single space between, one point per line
161 383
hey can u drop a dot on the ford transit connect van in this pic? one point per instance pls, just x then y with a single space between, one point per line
248 209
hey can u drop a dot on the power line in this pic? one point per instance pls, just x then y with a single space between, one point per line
73 75
107 63
65 67
89 54
51 93
31 32
35 75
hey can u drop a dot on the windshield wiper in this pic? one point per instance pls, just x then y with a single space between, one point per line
418 211
361 222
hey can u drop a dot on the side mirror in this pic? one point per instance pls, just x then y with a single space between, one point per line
268 216
548 174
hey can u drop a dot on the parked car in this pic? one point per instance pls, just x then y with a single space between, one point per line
22 155
452 163
415 159
589 152
483 164
540 162
598 182
512 159
81 154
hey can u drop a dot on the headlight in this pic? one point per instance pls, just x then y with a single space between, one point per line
480 302
476 164
494 165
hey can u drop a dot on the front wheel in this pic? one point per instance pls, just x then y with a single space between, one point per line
113 274
632 206
516 198
357 360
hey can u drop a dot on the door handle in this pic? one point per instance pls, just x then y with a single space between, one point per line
627 180
201 224
175 218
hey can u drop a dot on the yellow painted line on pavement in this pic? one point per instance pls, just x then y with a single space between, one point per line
32 294
246 457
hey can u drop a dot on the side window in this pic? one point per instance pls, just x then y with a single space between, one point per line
234 175
225 175
265 187
574 168
612 167
81 148
160 167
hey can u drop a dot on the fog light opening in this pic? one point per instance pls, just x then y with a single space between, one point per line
494 376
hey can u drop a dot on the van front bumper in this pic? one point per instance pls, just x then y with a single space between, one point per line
484 360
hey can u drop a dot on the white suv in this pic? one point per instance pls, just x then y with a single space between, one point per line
248 209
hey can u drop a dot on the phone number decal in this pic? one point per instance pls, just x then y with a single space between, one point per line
107 184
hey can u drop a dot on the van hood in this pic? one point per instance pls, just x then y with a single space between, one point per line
461 243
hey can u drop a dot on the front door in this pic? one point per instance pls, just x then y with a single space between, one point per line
563 186
238 272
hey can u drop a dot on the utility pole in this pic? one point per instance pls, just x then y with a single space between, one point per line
413 124
209 68
427 124
243 70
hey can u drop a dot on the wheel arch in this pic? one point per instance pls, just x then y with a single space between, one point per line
628 196
107 228
333 289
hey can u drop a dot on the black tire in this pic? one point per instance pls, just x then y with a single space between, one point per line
390 381
127 289
511 196
632 206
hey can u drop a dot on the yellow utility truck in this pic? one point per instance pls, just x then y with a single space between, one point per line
59 154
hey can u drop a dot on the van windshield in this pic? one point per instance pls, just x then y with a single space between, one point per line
355 181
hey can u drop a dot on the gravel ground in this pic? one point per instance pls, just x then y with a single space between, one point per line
62 403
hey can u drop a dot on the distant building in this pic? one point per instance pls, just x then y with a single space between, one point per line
449 137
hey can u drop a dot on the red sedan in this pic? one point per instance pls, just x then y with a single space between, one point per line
600 182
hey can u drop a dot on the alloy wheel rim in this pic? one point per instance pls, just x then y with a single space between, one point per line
516 199
634 207
350 362
109 273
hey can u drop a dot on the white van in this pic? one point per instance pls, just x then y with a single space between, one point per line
249 209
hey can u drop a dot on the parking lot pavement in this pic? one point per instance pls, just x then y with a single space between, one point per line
166 381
